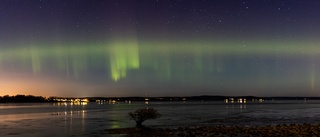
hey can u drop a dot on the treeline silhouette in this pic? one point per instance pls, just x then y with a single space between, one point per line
22 99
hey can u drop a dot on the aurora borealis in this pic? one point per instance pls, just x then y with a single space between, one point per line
160 47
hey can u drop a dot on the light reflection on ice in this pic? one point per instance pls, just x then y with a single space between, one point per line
94 118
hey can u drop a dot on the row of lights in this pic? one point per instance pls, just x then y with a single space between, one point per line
242 100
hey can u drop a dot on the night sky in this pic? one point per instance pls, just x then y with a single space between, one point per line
160 47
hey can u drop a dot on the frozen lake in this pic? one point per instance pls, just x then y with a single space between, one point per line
60 119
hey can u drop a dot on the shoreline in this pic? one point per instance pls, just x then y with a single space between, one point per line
223 130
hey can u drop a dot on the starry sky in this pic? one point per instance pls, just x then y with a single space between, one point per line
160 47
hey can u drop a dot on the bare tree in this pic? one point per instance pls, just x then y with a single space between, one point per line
143 114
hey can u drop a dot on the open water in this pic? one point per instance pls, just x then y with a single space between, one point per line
64 119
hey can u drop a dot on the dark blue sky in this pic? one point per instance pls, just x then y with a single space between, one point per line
159 47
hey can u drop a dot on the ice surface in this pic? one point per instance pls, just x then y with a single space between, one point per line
92 119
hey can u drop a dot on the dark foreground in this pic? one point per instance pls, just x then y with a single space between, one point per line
302 130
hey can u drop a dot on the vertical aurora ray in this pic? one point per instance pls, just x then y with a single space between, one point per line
313 76
123 57
312 81
35 60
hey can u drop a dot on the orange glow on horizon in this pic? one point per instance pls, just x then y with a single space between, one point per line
46 86
26 84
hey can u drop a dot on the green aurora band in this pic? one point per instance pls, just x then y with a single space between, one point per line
177 62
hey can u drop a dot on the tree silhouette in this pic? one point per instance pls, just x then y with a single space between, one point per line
143 114
22 99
